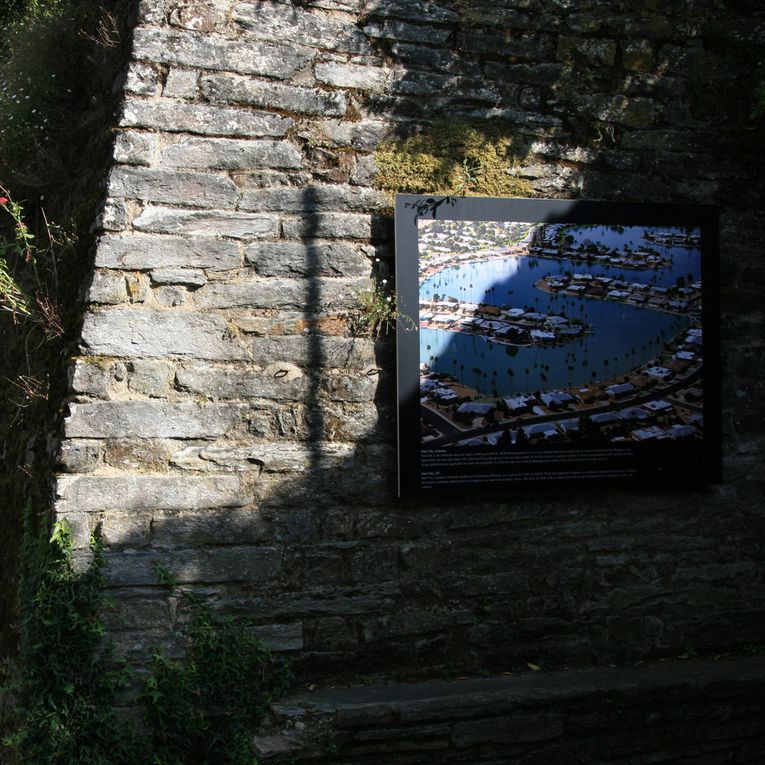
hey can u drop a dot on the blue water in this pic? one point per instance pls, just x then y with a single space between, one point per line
623 337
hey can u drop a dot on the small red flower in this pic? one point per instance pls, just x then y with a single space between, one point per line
3 200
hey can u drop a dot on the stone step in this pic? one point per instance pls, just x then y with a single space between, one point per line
680 711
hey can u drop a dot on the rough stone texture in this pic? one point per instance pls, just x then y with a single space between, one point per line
307 259
160 334
143 252
168 187
694 712
226 424
149 419
228 154
199 118
211 52
169 220
148 492
289 98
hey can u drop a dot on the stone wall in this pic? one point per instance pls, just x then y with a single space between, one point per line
226 427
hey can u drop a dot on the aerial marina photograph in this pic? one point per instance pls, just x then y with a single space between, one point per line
558 333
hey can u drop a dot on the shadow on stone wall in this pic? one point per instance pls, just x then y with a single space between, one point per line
355 581
381 585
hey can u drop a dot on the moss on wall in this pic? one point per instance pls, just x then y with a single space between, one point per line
451 157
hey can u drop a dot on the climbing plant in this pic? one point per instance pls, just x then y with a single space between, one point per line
66 679
204 710
61 690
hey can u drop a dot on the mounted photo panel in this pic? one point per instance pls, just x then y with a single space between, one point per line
556 344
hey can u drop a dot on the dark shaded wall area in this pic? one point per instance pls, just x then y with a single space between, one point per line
224 421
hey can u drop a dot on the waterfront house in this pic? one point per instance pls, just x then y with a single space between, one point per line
619 390
683 431
657 406
556 399
605 418
519 404
659 373
651 433
475 408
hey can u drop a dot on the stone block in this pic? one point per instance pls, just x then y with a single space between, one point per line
227 564
337 5
181 83
80 529
150 378
405 32
424 83
351 76
120 530
281 637
76 456
132 148
155 252
287 24
197 16
429 12
501 42
314 351
151 492
329 226
364 135
137 287
114 216
435 59
141 80
191 277
202 119
329 294
107 288
229 154
160 334
637 55
219 53
194 529
594 51
365 171
210 223
150 419
631 112
141 455
280 381
95 377
334 633
170 187
233 89
269 458
312 198
351 422
307 259
139 613
151 11
516 729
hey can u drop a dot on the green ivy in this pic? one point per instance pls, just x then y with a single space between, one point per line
64 686
206 709
66 681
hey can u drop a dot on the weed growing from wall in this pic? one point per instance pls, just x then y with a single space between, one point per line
374 311
29 265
